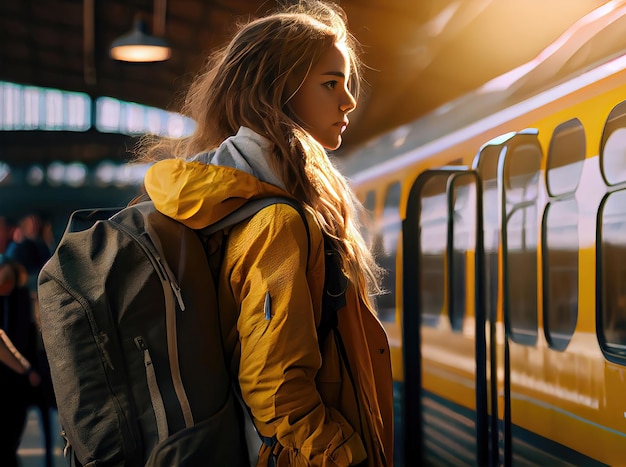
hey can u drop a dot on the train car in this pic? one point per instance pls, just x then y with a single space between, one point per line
501 219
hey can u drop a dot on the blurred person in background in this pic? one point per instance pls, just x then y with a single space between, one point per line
19 336
10 356
30 249
7 228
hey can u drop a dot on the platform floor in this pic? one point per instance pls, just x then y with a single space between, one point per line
32 449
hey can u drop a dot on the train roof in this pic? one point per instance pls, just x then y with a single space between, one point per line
587 51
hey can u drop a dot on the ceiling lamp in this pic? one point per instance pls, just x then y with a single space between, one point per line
138 45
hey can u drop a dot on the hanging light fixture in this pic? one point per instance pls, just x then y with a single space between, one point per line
138 45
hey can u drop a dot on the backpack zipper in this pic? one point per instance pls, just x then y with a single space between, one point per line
153 255
155 394
168 275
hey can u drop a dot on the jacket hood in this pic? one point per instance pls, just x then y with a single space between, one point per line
198 194
247 151
203 190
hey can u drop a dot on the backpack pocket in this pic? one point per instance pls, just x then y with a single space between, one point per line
214 442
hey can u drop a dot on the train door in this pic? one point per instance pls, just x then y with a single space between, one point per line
501 276
486 165
442 258
518 183
509 168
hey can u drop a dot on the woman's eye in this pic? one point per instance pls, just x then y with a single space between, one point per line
331 84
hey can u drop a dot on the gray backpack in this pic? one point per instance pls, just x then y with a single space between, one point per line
131 328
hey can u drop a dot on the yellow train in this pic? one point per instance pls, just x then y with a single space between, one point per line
502 221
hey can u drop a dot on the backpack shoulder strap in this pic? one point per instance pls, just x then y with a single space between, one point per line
251 208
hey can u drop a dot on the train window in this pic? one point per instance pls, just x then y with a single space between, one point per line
434 232
612 277
463 241
521 273
560 272
386 249
367 220
370 201
521 177
522 173
488 169
565 158
613 146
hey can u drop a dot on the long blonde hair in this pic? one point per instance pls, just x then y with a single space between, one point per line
246 84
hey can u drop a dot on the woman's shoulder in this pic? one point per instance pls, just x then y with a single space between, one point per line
287 216
280 225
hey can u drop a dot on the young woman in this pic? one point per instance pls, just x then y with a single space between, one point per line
267 108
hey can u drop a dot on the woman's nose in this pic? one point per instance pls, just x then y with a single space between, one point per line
349 103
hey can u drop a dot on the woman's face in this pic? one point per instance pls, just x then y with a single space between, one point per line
323 102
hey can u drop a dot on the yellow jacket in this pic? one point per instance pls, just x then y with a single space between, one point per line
270 296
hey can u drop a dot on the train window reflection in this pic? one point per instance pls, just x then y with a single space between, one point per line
386 249
521 274
612 283
613 146
370 201
560 272
488 169
434 228
565 158
614 161
464 241
522 173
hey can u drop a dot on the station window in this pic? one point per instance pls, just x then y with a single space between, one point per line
387 250
560 272
612 276
35 108
613 145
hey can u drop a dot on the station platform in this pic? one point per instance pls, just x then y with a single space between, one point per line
32 450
